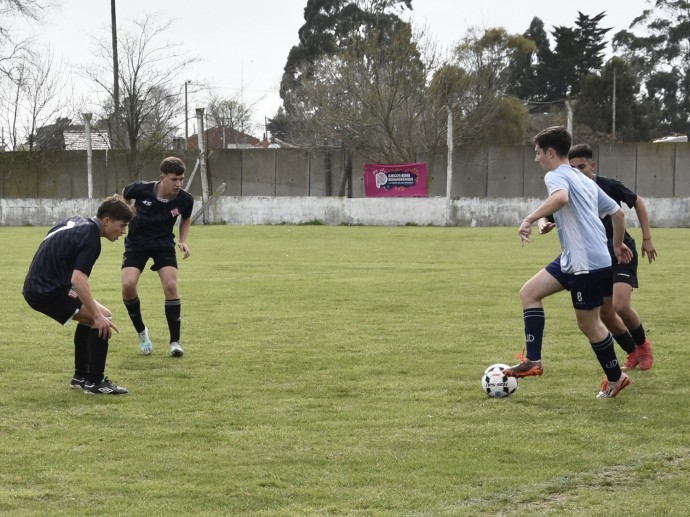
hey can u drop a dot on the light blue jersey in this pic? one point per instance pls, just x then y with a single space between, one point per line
580 230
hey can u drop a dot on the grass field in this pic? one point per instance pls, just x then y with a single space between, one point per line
336 371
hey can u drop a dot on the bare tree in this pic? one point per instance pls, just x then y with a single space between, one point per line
32 9
33 96
233 113
149 82
43 91
12 50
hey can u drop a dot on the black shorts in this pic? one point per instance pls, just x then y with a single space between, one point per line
161 258
626 273
62 307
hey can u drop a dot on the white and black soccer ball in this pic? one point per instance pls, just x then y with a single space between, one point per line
496 384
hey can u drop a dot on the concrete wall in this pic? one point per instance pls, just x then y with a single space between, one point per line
249 210
652 170
494 186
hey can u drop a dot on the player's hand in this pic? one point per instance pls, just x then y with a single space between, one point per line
623 254
105 326
524 231
546 227
184 249
648 250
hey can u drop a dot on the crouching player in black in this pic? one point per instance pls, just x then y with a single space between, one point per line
57 285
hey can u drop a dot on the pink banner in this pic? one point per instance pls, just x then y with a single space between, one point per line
395 180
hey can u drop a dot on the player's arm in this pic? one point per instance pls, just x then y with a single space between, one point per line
623 254
647 245
553 204
185 224
80 284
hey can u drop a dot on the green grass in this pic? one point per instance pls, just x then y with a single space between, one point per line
336 371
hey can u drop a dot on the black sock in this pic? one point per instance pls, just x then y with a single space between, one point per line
535 319
134 310
173 313
625 341
98 352
638 335
606 355
81 351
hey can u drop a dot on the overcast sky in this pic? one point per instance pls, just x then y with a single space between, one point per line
244 44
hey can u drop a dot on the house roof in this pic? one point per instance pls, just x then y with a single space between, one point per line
75 140
214 139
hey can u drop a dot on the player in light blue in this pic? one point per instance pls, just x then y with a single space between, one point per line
577 204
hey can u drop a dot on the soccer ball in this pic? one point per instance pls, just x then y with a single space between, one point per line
496 384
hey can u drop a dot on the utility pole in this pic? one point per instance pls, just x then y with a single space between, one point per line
202 157
613 107
186 116
89 154
116 74
449 167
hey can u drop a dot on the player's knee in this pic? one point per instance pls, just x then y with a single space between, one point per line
607 315
170 289
527 295
621 308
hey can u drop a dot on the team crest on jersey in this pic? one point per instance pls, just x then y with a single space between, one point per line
175 212
147 202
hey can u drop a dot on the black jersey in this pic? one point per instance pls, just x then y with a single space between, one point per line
72 244
153 224
620 194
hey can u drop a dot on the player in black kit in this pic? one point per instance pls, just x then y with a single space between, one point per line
617 310
158 205
57 285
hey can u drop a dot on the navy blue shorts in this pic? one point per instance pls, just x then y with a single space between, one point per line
62 306
161 258
587 290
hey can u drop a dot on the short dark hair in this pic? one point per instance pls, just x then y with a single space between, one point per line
172 165
116 208
555 137
580 151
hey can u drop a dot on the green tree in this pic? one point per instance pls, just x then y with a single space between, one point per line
659 58
527 79
594 109
579 51
476 87
331 25
369 96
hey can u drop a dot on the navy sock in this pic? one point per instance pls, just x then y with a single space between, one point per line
638 335
81 351
134 310
535 319
625 341
173 314
606 355
98 352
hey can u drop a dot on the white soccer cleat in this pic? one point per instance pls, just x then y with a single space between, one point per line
144 341
176 349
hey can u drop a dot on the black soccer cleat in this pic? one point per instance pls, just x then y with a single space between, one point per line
77 383
105 387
